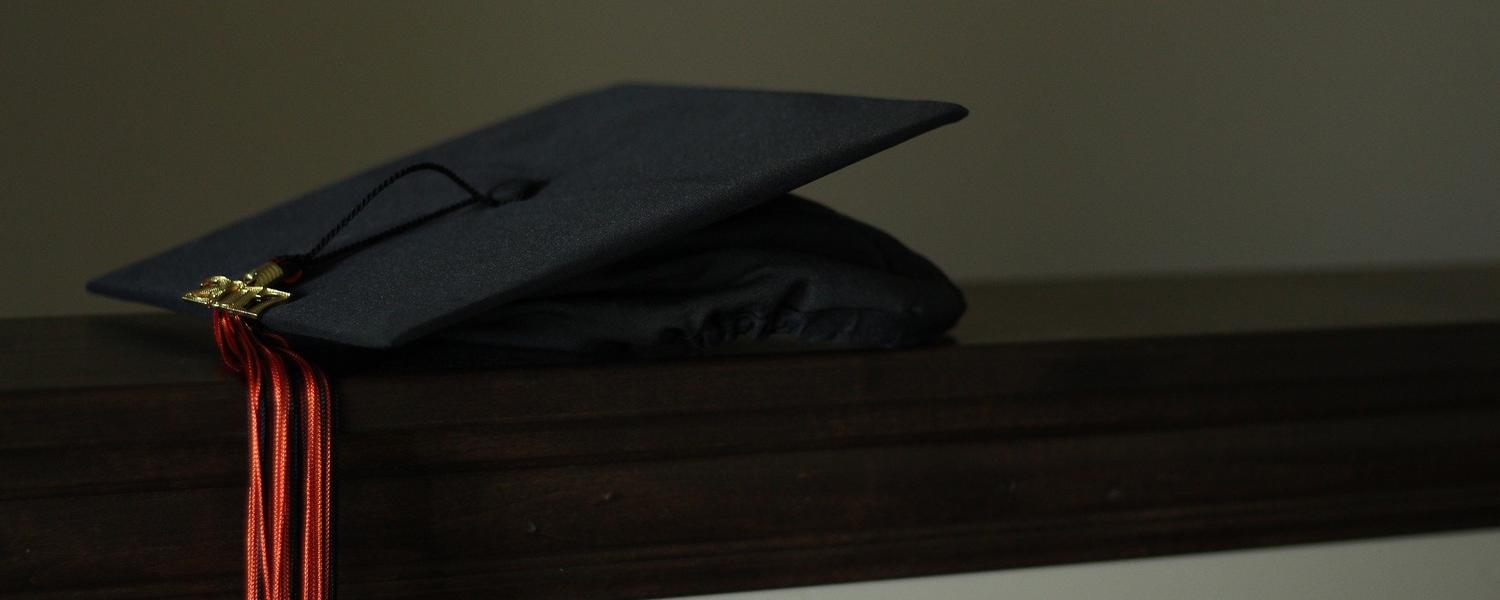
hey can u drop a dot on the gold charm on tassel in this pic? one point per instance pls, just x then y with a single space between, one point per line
248 296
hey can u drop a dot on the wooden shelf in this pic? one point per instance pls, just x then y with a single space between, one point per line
1064 422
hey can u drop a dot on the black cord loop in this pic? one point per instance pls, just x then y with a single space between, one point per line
296 264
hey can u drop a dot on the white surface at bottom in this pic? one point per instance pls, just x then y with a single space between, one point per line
1454 566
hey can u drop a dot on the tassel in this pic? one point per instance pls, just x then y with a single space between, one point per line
280 383
280 386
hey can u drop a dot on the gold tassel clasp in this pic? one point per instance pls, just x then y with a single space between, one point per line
248 296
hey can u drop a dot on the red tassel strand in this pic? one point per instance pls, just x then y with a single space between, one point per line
296 387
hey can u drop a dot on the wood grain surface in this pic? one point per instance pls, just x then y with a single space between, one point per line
1064 422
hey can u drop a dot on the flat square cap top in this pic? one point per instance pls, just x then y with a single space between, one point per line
620 170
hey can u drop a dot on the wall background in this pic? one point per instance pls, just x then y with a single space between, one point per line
1105 138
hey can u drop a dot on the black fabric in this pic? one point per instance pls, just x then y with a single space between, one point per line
788 267
634 236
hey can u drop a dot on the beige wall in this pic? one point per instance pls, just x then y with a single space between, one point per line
1126 137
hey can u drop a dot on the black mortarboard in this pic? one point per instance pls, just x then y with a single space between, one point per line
631 218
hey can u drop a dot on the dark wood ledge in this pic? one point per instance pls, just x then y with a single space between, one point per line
1065 422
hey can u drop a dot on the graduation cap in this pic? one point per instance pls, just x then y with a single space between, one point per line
636 218
633 218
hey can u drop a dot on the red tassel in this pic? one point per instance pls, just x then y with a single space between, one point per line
270 364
